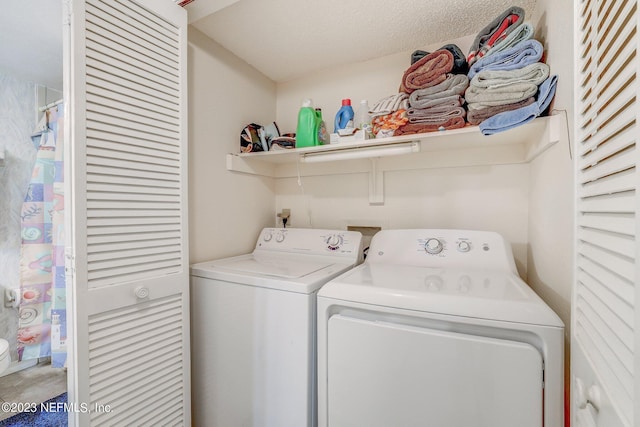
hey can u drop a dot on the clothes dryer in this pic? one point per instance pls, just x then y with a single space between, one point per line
253 328
436 328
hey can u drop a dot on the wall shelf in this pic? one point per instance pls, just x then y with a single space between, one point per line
453 148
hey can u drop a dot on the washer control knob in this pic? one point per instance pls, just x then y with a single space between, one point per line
464 284
267 236
280 237
433 246
334 242
464 246
433 283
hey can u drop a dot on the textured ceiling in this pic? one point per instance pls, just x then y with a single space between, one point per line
286 39
31 41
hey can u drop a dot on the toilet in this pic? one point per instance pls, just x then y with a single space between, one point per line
5 358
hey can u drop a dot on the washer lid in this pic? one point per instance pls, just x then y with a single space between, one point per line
469 293
272 265
287 272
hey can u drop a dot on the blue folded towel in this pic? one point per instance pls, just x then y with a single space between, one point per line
524 53
511 119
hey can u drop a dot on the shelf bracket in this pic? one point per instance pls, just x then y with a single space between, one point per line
552 134
376 183
238 164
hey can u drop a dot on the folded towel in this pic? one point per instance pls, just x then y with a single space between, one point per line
478 98
496 31
510 119
534 73
518 56
518 35
389 122
435 116
475 117
460 65
390 104
499 87
454 84
440 104
427 72
412 128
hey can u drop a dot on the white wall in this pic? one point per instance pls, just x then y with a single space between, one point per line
226 210
490 198
552 188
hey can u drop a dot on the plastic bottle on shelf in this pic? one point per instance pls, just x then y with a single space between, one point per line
323 136
362 119
344 115
307 130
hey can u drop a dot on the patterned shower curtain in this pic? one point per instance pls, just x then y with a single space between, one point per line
42 310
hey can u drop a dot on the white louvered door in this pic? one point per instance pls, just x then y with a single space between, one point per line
126 80
605 318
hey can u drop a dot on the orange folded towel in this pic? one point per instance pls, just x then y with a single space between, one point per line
411 128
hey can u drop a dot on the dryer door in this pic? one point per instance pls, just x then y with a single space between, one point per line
385 374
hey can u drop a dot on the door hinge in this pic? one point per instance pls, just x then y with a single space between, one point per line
66 4
69 262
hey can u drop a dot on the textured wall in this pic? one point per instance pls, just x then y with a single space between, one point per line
17 121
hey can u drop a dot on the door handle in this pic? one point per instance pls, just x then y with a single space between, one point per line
141 292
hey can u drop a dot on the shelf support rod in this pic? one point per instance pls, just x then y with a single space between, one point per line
376 183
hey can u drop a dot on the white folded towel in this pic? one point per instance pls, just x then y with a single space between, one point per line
390 104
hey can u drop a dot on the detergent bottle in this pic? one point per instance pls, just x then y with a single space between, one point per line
344 116
323 136
307 130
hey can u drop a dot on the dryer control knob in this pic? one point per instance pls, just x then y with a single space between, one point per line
464 246
334 242
267 237
433 246
280 238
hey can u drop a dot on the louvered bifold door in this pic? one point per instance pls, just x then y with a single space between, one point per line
127 85
605 301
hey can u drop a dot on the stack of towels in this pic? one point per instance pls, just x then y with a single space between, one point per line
508 85
389 114
502 83
437 107
435 83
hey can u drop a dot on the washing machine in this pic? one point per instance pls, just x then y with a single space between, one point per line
253 328
436 329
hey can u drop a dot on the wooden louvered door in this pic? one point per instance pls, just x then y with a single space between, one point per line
126 82
605 326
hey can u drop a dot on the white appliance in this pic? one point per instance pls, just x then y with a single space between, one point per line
437 329
253 328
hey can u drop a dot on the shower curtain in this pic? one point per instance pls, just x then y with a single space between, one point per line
42 309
